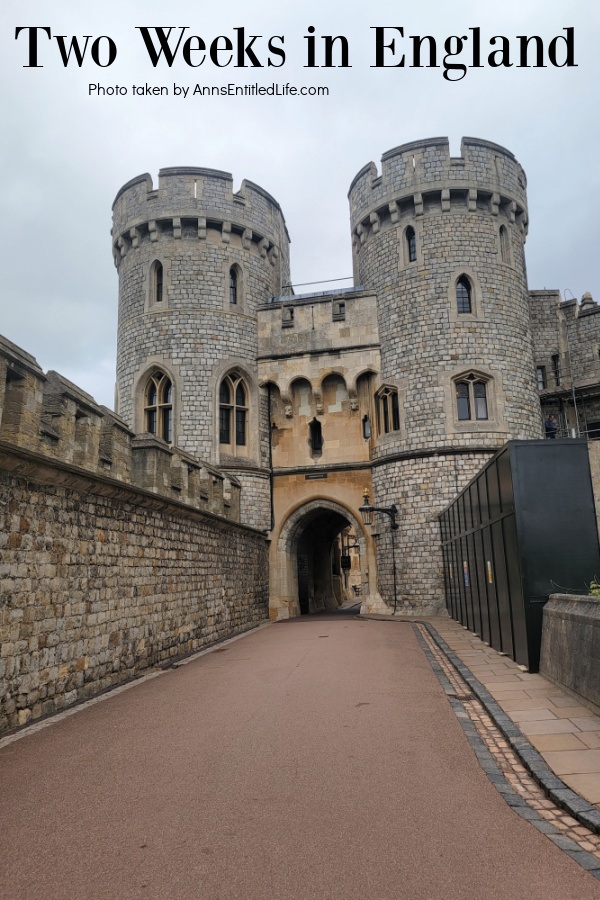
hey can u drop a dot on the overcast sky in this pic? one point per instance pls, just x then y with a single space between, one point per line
65 154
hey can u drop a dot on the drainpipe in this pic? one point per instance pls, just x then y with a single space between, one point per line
270 458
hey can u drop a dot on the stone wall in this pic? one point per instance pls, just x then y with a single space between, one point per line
117 551
571 644
420 487
97 583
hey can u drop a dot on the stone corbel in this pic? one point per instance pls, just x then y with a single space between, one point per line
318 398
472 200
122 245
446 200
263 246
247 238
226 232
418 201
393 207
522 223
495 204
375 222
512 212
177 228
154 229
273 255
360 231
201 229
134 236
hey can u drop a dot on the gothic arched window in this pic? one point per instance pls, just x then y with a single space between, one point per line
156 282
463 295
233 412
233 285
158 406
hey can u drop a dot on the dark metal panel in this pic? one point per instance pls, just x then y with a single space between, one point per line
556 517
483 498
468 510
474 584
447 583
475 511
482 592
503 464
506 633
490 571
493 489
515 590
463 581
458 587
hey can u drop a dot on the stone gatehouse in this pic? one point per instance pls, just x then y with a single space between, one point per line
250 421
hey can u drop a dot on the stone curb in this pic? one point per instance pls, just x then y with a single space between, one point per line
518 803
575 805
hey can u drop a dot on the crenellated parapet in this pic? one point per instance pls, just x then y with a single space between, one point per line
190 202
421 176
52 430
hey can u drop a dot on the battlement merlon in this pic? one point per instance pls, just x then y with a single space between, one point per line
421 167
201 194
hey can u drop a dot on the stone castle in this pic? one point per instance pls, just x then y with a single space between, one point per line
401 386
251 420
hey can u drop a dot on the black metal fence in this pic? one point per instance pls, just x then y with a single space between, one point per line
525 527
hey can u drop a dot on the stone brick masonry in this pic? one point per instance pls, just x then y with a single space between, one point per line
94 590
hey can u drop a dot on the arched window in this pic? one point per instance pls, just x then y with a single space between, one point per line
388 410
233 285
156 282
158 406
411 243
233 412
504 245
471 399
463 295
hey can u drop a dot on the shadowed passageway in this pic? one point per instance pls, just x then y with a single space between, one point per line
316 758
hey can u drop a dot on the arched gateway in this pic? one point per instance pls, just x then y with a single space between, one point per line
309 568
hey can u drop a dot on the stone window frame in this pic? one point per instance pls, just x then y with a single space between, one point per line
239 304
153 286
159 405
504 245
494 399
405 260
387 412
233 410
476 313
469 399
251 451
140 384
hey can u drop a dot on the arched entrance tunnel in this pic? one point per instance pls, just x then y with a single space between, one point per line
326 548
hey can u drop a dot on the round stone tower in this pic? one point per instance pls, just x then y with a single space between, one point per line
440 240
195 260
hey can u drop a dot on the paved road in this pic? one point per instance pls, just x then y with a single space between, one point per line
317 758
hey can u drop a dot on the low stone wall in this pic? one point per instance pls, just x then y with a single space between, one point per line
570 653
100 580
